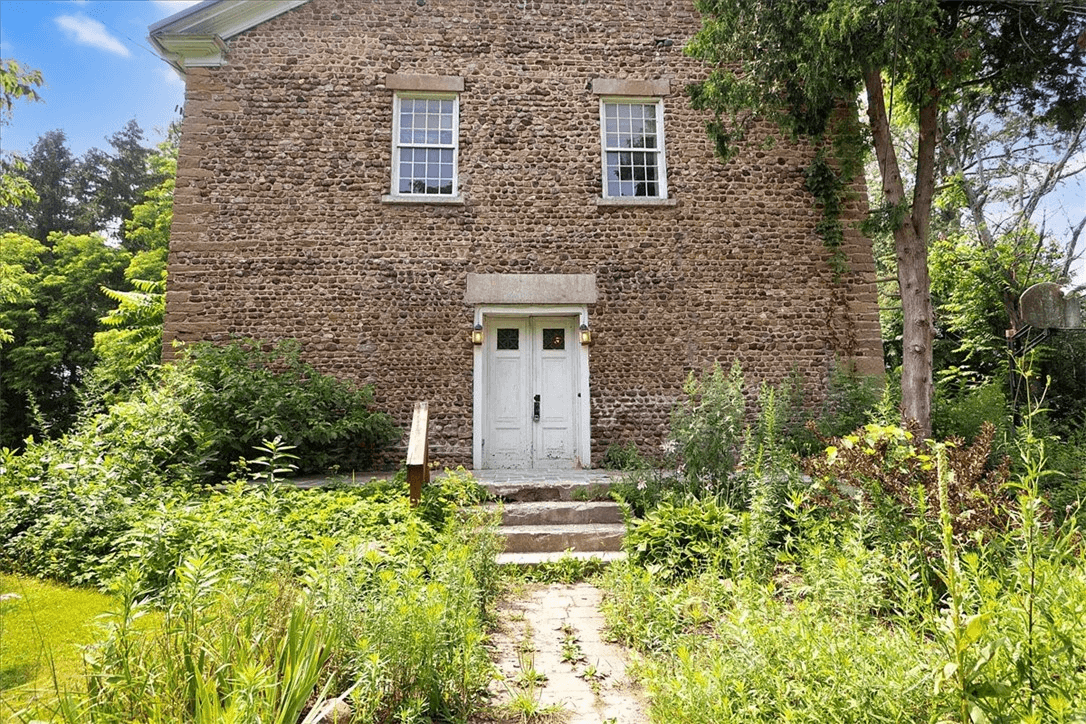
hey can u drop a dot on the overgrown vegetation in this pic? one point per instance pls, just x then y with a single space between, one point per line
904 580
273 598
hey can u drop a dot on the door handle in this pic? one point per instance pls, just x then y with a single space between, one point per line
535 409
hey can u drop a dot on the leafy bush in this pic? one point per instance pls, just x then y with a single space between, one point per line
246 395
962 414
624 456
400 634
707 426
273 598
675 541
898 477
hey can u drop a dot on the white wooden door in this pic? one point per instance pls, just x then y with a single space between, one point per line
531 401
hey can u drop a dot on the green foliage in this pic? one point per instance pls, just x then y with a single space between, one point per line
897 476
568 569
272 596
131 344
246 394
16 81
707 426
623 456
675 541
846 624
962 414
148 229
826 185
52 328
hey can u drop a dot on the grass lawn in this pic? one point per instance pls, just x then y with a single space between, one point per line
47 622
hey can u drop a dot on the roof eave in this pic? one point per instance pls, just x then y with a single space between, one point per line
196 37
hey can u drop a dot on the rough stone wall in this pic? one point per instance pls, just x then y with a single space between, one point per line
279 229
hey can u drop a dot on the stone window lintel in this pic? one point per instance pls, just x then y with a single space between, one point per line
430 83
631 88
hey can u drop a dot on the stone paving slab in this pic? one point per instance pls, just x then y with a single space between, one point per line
556 630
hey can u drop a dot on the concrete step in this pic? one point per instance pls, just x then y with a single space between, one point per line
535 559
557 513
527 492
558 538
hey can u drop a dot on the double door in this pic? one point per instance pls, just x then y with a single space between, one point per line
531 397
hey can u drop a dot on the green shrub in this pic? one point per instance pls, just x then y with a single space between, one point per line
896 476
962 414
675 541
247 394
707 426
624 456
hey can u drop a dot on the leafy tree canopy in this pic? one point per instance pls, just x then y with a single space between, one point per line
52 326
804 63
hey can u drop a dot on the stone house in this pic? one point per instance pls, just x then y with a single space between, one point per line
507 209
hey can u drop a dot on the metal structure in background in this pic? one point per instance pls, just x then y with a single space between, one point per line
1046 311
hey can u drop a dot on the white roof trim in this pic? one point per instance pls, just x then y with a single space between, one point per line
195 36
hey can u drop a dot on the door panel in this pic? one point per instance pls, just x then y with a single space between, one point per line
508 427
554 382
526 357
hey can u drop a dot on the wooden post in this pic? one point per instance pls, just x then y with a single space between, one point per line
418 452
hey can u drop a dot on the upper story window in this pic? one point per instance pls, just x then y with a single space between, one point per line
633 147
633 162
425 140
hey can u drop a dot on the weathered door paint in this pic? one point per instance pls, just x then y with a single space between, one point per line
531 400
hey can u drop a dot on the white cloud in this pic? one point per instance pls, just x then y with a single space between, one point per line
171 77
90 32
175 6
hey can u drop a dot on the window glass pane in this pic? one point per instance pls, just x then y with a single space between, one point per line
554 338
633 172
509 338
427 141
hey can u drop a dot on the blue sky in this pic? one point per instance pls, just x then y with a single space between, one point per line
99 69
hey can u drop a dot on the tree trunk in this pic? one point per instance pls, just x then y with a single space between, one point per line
911 249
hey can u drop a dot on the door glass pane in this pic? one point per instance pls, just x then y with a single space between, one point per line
509 338
554 338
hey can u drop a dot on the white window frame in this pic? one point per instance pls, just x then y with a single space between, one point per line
661 157
397 146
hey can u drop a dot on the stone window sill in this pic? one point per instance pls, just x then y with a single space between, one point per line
423 199
634 201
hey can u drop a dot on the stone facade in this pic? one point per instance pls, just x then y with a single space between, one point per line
280 229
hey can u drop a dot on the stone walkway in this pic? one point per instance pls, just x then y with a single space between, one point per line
553 659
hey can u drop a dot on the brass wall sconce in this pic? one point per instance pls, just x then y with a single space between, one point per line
477 334
586 335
